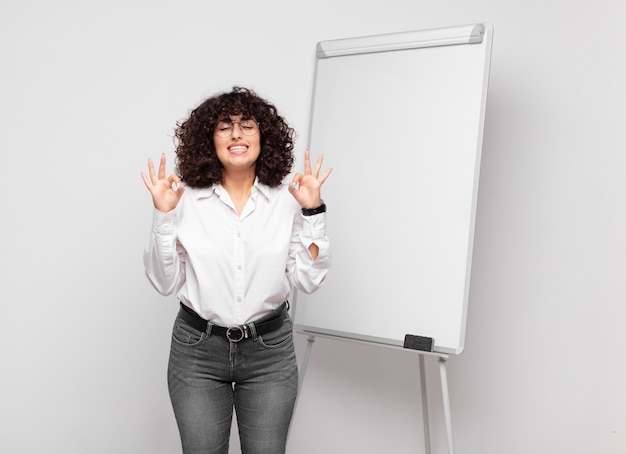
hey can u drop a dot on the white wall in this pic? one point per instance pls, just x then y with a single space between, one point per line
88 92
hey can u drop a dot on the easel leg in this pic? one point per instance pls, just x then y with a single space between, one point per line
425 417
446 403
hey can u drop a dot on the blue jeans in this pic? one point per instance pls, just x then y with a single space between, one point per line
208 375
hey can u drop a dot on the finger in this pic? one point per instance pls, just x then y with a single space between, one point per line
151 171
146 180
326 174
307 162
318 165
162 167
178 188
174 182
295 183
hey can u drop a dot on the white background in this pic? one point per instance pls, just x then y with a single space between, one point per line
90 90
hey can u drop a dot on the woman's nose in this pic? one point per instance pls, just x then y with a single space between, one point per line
236 130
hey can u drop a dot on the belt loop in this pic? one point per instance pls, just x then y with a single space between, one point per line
252 329
209 328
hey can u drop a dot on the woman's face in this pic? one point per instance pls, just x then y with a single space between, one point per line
237 143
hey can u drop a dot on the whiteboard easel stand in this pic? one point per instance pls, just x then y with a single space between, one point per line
443 374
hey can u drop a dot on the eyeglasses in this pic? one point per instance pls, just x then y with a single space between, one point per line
247 127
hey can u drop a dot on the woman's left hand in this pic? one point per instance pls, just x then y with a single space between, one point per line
306 188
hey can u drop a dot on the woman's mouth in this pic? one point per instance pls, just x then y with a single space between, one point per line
238 149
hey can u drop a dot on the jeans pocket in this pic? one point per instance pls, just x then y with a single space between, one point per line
278 338
186 335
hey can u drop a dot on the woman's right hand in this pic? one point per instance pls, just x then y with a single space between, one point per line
166 192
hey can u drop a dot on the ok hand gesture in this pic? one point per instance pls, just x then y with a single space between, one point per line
166 192
306 188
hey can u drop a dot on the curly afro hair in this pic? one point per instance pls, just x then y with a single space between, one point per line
196 160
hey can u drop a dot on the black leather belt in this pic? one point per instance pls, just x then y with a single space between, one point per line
239 332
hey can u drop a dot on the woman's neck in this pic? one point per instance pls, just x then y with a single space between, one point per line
239 189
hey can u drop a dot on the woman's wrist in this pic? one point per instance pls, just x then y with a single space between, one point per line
313 211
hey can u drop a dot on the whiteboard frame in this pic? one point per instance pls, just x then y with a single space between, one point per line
472 34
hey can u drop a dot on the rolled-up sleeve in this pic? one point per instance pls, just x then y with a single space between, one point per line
308 274
163 259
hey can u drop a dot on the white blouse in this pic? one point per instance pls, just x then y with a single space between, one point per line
233 269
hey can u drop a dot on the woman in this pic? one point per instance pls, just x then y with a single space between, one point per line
231 240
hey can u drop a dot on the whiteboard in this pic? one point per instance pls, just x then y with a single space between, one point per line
399 117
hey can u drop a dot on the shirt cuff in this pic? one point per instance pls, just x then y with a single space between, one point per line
314 227
163 223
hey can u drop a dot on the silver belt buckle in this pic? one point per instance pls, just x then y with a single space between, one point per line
240 332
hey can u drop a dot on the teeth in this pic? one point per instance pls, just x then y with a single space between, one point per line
237 149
